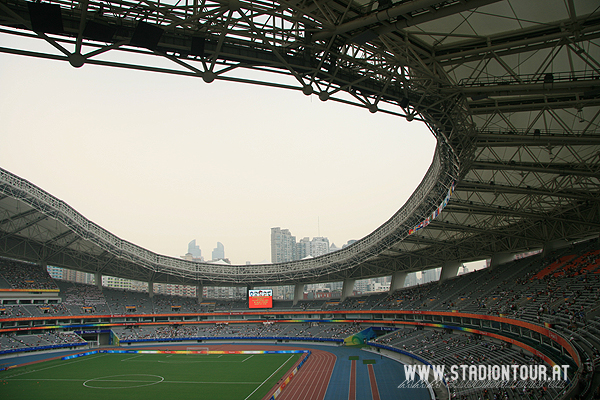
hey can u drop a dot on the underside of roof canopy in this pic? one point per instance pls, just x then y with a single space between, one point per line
510 89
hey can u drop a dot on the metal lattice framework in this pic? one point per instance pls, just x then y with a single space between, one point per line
510 89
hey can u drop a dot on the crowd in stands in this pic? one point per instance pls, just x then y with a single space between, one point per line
11 341
444 348
21 275
83 298
560 289
307 330
308 305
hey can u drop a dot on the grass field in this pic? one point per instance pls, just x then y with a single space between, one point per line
148 377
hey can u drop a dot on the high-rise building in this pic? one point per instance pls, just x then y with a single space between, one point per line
303 248
116 283
430 275
333 248
411 280
70 275
218 292
194 250
352 241
361 285
283 245
175 290
319 246
55 272
218 252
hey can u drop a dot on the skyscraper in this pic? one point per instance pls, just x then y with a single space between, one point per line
319 246
283 245
303 248
218 252
194 250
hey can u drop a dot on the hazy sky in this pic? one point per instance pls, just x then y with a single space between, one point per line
160 160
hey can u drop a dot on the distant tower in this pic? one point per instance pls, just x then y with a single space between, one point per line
303 248
283 245
349 243
319 246
218 252
194 250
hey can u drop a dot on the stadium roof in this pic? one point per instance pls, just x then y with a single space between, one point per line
510 89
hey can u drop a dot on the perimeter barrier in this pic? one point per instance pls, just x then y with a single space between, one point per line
52 347
289 377
236 338
220 352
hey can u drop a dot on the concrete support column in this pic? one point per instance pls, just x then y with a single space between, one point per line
199 292
98 279
298 292
347 288
555 245
398 280
501 258
449 270
151 289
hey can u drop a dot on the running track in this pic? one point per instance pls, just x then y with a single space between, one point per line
311 382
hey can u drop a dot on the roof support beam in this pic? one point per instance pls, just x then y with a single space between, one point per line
553 168
15 217
494 188
524 40
508 139
378 17
482 209
405 10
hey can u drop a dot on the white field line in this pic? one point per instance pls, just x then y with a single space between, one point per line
131 380
245 359
54 366
132 357
281 366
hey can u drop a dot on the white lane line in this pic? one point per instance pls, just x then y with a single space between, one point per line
54 366
269 377
132 357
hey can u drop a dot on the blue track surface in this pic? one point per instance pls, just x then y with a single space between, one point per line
388 373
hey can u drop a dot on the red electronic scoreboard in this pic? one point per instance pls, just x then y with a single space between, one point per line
258 298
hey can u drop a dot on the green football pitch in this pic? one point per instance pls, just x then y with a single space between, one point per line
148 377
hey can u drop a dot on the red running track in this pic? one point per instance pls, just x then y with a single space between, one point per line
373 381
310 383
352 388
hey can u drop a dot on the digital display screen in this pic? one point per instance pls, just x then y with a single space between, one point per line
260 298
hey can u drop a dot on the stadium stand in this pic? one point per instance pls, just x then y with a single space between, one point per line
12 341
442 348
560 290
81 299
12 273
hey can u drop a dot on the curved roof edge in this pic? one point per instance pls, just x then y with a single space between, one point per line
430 196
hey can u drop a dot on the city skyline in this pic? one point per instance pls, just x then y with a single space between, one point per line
159 159
284 246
